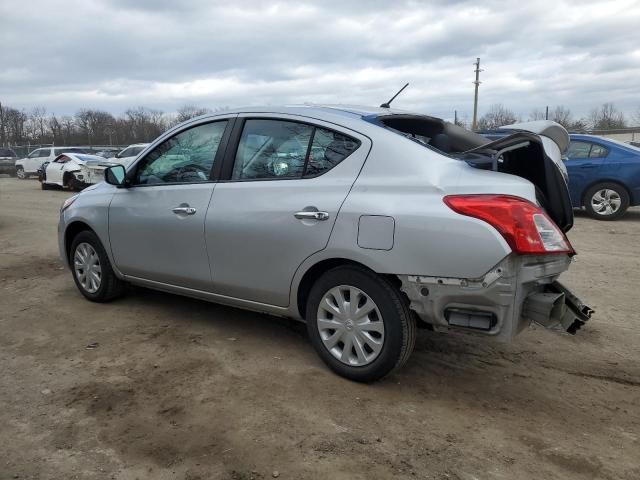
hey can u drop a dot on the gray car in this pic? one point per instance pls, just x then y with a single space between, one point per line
366 223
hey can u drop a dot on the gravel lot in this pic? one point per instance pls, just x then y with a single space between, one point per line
179 388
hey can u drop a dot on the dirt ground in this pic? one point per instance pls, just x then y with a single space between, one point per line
183 389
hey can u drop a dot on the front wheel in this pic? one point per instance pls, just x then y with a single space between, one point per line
606 201
92 271
359 323
20 173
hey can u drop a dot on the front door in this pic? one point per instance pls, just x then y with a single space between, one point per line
156 225
277 205
584 159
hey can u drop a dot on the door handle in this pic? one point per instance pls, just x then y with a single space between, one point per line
184 210
306 215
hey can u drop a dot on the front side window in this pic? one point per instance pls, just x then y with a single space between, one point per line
578 150
270 149
184 158
34 154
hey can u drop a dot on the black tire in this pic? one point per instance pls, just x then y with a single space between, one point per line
399 322
619 190
46 186
20 173
111 287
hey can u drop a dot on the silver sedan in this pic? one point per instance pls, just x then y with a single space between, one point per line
366 223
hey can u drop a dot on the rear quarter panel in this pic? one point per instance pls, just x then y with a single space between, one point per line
407 182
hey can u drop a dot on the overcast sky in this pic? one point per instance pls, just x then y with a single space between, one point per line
111 55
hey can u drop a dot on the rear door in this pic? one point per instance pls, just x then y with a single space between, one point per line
281 191
156 224
584 161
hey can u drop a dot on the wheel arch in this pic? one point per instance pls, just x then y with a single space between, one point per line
72 230
583 197
316 270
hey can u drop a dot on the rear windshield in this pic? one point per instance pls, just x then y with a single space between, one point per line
88 158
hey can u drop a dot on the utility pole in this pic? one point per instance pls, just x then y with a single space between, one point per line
474 125
455 117
546 115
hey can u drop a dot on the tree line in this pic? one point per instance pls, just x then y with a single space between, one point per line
88 126
605 117
142 124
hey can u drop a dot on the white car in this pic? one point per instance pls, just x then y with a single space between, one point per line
74 171
126 156
30 165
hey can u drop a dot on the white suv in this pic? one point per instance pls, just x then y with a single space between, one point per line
31 164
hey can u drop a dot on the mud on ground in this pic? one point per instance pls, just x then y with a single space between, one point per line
182 389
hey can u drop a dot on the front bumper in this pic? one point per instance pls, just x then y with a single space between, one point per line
501 303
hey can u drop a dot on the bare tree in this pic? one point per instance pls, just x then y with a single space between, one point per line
537 115
497 116
462 121
562 115
607 117
187 112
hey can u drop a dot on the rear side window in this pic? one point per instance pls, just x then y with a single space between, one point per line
578 150
281 149
598 152
328 149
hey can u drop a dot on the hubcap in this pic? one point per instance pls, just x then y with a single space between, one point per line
86 266
20 173
606 202
350 325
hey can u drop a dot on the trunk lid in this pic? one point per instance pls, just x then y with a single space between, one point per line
535 157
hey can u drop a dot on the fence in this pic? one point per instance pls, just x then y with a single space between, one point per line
24 150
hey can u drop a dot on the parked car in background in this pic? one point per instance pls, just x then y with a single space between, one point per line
74 171
25 167
604 174
363 222
8 161
126 156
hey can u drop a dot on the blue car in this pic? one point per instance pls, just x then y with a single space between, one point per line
604 175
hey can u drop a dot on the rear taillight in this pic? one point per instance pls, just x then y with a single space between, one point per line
525 226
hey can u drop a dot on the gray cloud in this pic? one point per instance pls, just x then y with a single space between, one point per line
114 54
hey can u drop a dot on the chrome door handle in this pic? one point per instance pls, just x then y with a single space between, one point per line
184 210
304 215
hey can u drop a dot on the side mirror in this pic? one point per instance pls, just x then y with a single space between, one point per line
115 175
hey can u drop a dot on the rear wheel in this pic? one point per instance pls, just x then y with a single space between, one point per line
20 173
92 271
359 323
606 201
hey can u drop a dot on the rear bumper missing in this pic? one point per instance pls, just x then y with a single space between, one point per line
518 291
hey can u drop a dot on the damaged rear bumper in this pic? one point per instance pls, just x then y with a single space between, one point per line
518 291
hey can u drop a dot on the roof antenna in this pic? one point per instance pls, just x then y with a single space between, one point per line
388 104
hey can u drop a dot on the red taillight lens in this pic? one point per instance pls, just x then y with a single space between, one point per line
525 226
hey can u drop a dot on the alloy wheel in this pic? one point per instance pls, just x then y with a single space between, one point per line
606 202
350 325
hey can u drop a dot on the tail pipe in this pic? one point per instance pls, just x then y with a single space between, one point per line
556 308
